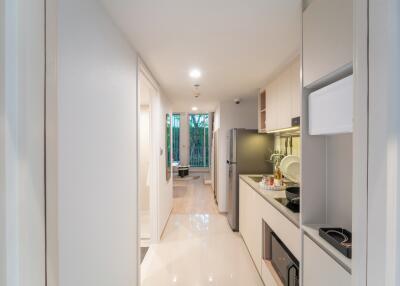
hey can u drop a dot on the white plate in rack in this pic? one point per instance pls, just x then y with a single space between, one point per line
290 167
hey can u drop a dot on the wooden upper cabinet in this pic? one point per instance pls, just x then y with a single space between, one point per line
283 98
261 112
327 40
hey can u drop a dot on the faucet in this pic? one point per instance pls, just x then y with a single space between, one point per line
273 160
280 156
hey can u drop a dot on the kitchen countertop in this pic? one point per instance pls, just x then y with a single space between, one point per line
270 196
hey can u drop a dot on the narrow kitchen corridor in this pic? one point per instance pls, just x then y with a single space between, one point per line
198 247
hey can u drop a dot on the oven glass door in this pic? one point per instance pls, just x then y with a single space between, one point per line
283 263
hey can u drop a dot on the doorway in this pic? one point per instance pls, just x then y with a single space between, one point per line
144 172
215 164
148 111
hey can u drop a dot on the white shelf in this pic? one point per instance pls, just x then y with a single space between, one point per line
312 230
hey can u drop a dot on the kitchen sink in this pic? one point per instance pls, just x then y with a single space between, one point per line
256 179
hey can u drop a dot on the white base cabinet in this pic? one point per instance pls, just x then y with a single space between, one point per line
250 222
253 210
320 269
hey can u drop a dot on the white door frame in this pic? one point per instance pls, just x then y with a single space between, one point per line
360 142
3 191
144 74
376 169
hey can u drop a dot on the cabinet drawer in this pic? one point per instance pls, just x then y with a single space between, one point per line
284 229
320 269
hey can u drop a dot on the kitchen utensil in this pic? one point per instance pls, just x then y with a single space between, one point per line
268 180
339 238
286 145
293 194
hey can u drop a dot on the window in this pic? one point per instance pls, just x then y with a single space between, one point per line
199 140
176 126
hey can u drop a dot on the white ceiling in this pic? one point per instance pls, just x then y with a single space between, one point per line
238 44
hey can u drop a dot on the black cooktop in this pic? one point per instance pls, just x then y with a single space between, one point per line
285 202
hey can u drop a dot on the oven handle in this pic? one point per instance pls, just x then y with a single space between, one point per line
288 274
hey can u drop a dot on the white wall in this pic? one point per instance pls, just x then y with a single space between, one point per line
339 166
3 193
217 118
22 233
231 115
216 126
96 162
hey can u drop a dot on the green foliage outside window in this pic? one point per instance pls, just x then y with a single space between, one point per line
199 140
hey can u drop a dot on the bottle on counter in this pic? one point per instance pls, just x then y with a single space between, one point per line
277 176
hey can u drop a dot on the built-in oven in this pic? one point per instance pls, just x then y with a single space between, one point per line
283 261
285 264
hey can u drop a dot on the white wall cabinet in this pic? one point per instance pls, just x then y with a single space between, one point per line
283 98
261 111
327 39
320 269
331 108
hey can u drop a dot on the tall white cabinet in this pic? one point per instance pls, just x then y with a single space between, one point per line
326 163
323 71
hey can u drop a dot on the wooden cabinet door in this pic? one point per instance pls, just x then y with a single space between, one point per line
295 98
270 118
250 222
284 113
283 98
276 105
244 204
327 39
320 269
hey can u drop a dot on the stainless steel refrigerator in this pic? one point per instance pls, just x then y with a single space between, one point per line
248 153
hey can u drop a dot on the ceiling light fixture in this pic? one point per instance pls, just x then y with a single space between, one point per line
196 90
194 108
195 73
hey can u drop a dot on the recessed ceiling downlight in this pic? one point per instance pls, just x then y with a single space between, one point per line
195 73
194 108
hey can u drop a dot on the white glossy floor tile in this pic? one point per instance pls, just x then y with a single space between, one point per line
199 249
